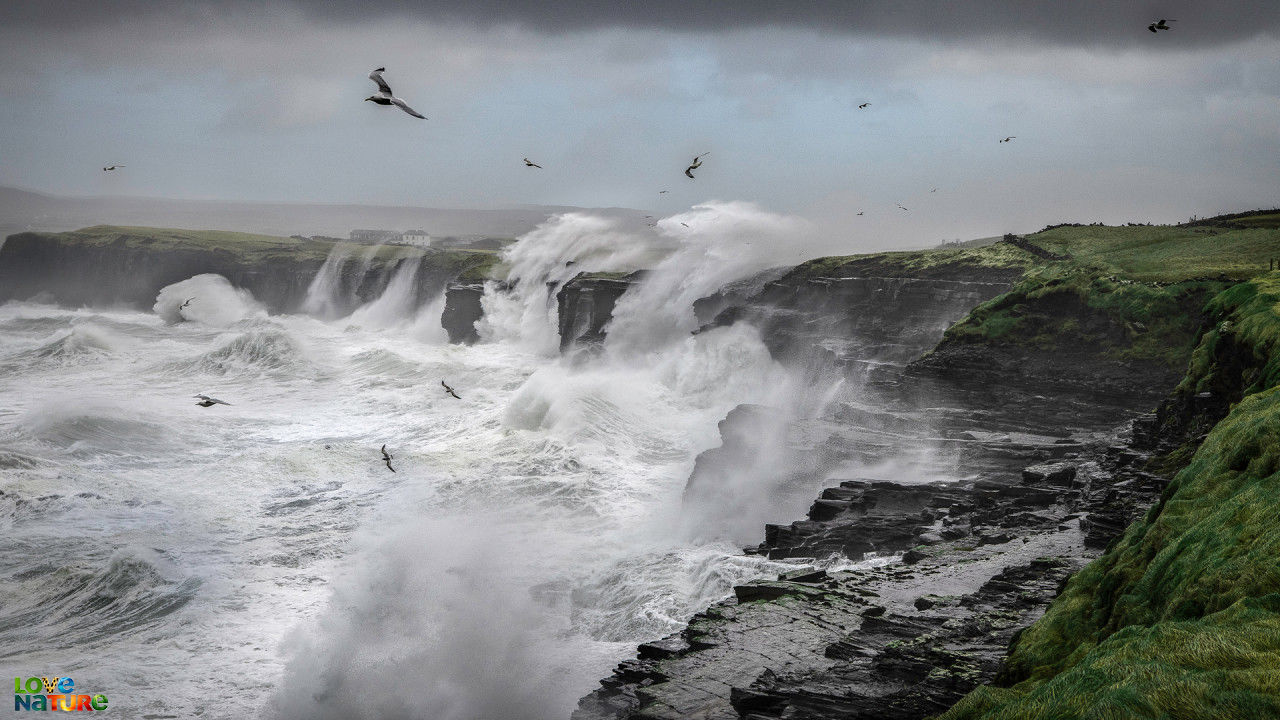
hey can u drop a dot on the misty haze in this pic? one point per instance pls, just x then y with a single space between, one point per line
636 361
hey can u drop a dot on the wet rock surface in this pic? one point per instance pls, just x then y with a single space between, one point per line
954 570
462 310
585 305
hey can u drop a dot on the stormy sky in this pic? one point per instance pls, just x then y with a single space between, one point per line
262 100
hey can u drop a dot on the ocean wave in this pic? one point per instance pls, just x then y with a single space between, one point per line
69 605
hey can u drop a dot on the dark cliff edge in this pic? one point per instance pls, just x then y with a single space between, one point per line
584 305
105 265
1039 390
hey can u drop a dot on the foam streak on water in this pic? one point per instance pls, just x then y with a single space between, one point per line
166 554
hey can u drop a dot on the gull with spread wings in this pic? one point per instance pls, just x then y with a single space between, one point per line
384 96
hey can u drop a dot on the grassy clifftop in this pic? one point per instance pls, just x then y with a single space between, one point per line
1180 618
250 249
999 260
1126 294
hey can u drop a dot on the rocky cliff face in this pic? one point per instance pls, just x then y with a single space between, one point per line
115 273
585 306
860 321
889 316
462 310
130 269
982 506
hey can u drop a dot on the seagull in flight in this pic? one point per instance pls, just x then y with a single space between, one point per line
1011 137
527 163
449 390
111 167
697 163
859 213
384 96
863 106
1159 25
387 458
660 192
184 305
900 206
206 401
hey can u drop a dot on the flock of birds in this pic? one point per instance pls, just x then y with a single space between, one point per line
385 96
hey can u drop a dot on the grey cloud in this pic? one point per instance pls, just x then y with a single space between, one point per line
1093 23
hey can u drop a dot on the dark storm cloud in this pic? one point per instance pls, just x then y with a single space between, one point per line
1091 23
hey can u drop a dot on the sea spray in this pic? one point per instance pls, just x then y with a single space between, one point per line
578 471
207 299
718 243
322 294
397 303
523 308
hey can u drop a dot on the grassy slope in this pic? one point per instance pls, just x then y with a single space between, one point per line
252 249
1134 294
923 263
1180 618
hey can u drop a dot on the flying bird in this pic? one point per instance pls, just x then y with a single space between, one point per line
111 167
384 96
663 191
863 106
1009 139
1160 25
185 304
527 163
859 213
449 390
900 206
697 163
934 190
206 401
387 458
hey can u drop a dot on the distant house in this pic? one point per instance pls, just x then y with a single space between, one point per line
375 237
416 237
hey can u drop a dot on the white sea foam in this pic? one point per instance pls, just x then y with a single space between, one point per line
533 532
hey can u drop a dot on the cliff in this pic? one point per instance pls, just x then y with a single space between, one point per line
1181 616
128 265
1060 462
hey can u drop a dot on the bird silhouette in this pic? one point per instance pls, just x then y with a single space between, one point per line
697 163
900 206
1159 25
111 167
527 163
206 401
859 213
386 458
863 106
1011 137
384 96
449 390
184 305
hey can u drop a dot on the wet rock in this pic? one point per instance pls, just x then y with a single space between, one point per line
462 310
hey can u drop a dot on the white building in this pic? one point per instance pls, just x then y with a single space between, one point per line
416 237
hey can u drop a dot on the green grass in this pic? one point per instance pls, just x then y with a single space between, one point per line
1180 618
1166 253
1064 305
251 249
956 260
247 245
